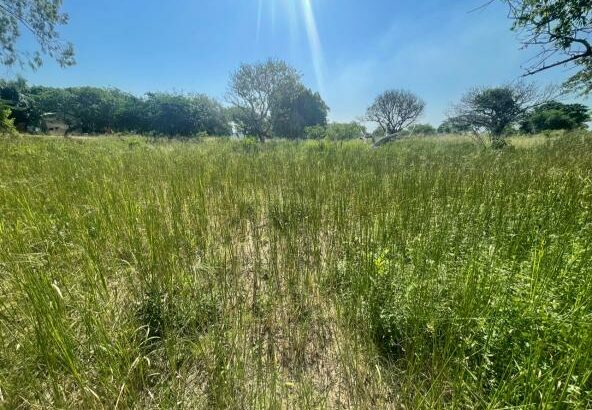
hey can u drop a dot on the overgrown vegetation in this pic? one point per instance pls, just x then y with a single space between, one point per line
6 122
430 273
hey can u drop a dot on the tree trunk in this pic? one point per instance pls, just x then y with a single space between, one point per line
386 139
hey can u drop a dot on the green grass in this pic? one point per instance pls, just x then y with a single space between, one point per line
430 273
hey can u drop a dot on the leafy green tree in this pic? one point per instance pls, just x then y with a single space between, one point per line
252 92
422 129
555 115
393 111
130 112
496 110
562 30
49 100
90 109
16 96
184 115
315 132
102 110
452 126
295 108
42 19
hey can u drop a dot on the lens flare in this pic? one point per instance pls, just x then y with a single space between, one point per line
296 11
314 42
259 19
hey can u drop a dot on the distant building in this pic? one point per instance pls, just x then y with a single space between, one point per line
55 124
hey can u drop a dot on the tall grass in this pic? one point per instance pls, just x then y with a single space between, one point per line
429 273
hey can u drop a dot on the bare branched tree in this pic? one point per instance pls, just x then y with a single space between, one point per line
393 111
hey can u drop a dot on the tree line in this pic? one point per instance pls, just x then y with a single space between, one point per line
269 100
101 110
266 100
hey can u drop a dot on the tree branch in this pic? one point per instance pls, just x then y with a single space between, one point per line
567 60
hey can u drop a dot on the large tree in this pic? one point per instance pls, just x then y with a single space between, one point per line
393 111
42 19
555 115
495 110
294 109
252 92
562 31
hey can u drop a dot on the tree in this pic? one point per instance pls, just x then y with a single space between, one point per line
422 129
41 18
495 110
395 110
184 115
336 131
130 112
49 100
295 108
100 110
452 126
556 116
92 109
16 96
562 30
252 90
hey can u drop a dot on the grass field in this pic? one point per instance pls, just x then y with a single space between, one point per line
429 273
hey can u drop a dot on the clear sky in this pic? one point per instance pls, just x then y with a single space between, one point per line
349 50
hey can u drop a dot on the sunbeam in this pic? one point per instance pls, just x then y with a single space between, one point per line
314 42
296 11
259 19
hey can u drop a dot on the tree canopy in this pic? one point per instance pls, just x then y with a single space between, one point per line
555 115
450 126
294 108
423 129
104 110
253 90
395 110
495 110
42 19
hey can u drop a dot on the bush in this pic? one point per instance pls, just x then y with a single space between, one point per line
336 131
6 122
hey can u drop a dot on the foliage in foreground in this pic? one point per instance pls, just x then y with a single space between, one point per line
429 273
561 29
41 18
6 123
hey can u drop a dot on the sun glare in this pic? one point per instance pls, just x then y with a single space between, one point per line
297 11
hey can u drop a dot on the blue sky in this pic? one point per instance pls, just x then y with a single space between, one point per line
350 50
